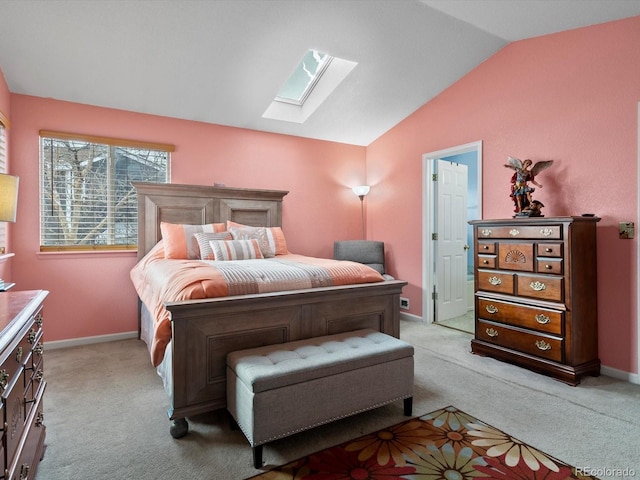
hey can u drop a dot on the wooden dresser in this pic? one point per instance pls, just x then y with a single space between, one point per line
536 294
21 383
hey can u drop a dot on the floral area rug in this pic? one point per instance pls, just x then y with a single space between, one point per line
447 444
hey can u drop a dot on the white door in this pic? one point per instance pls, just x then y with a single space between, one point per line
451 247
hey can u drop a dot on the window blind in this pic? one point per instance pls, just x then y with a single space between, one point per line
87 199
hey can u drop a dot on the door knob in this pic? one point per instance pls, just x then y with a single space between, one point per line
467 247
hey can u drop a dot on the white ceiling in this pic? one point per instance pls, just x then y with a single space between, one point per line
222 61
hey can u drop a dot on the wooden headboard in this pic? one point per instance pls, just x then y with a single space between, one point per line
201 204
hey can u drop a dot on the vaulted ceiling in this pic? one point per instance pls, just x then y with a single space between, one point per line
223 61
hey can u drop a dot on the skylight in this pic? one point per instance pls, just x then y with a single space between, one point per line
315 77
304 77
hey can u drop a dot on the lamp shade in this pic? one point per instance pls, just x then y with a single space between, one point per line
8 197
361 190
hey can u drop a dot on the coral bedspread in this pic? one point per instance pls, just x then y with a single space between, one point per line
158 280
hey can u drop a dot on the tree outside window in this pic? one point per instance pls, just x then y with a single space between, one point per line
87 199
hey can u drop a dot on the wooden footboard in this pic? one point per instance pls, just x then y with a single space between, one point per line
204 331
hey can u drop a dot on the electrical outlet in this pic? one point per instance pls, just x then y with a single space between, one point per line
626 230
404 303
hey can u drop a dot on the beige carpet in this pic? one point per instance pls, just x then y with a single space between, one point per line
464 323
105 411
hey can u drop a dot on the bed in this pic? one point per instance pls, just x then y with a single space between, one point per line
192 365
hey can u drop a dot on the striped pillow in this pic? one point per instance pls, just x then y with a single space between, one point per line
203 239
179 241
271 239
235 249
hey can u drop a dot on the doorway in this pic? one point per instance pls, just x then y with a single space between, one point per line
435 281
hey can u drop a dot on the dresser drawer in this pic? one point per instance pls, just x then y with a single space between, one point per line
549 265
486 247
500 282
549 250
541 287
13 398
516 256
541 319
551 232
15 360
25 464
521 340
2 430
486 261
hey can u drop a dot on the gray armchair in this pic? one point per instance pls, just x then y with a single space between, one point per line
369 252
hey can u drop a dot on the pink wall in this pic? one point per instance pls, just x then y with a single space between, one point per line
91 294
5 104
572 97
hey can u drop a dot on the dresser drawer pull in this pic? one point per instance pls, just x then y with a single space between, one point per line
485 262
538 286
24 471
485 247
495 281
548 250
514 232
485 232
39 376
542 319
492 332
31 337
492 309
38 349
548 267
4 379
38 320
542 345
19 354
546 231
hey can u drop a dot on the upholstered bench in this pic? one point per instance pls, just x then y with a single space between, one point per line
277 390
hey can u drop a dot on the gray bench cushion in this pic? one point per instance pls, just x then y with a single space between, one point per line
313 358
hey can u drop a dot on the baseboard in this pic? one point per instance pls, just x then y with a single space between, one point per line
76 342
410 317
620 374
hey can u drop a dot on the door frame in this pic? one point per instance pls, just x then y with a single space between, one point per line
636 378
429 205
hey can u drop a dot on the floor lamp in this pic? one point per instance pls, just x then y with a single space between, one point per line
8 203
361 191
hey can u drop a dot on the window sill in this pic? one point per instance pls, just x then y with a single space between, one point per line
6 256
89 253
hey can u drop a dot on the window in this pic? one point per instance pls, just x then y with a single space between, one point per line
304 77
315 77
87 200
3 169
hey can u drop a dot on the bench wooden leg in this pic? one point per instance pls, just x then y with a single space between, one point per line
257 456
408 406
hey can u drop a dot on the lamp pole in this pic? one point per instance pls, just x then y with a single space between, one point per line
362 215
361 191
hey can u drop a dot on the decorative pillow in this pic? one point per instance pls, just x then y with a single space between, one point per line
271 239
180 242
203 239
235 249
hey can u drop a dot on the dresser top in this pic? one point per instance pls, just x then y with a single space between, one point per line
534 220
15 308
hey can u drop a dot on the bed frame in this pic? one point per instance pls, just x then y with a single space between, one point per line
204 331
